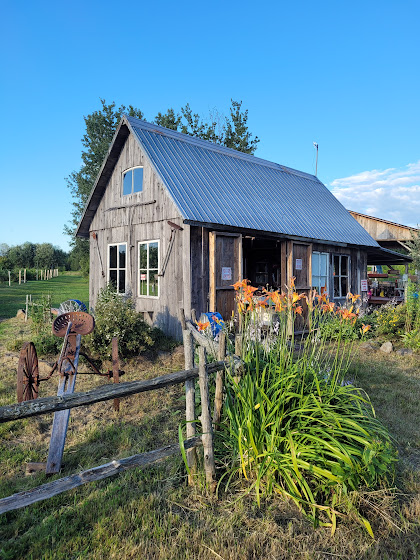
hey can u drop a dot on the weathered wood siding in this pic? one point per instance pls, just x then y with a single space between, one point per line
382 230
140 217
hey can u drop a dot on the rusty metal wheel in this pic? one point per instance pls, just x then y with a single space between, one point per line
27 374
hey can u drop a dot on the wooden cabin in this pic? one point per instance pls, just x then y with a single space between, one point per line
174 221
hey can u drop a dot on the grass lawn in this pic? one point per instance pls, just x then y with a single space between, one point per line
152 514
66 286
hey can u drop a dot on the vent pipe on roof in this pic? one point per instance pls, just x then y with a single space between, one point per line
316 165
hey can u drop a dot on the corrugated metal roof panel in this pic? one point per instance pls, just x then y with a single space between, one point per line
217 185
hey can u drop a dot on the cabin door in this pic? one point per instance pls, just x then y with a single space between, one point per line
225 268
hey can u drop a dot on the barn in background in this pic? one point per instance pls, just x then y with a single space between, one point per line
174 221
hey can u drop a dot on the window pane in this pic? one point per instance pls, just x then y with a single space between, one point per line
344 266
127 182
324 265
113 256
316 282
138 179
143 255
344 289
336 287
323 284
336 265
113 278
153 255
153 283
143 282
121 285
315 265
122 250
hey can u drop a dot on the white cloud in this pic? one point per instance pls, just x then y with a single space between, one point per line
392 194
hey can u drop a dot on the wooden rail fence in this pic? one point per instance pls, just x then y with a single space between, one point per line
53 404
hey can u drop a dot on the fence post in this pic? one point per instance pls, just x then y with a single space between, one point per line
189 395
26 310
9 276
218 396
115 369
207 437
24 276
20 276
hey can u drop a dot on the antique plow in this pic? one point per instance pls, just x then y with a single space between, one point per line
70 326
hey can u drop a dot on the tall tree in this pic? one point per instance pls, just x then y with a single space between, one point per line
231 131
100 129
237 135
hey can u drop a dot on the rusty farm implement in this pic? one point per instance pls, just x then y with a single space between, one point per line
70 326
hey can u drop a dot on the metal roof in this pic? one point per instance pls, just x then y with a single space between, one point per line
217 185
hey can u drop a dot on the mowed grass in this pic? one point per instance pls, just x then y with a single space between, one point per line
65 286
152 514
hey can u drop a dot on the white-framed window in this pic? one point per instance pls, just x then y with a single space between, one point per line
341 273
117 266
132 180
320 272
148 284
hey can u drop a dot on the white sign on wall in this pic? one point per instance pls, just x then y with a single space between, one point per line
364 285
226 273
298 264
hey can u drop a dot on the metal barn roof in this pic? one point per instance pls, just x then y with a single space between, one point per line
217 185
211 184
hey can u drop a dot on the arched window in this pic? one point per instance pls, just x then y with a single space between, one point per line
133 180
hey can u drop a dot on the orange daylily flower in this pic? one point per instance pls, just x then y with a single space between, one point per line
240 284
292 281
322 297
329 306
202 326
299 309
353 297
365 328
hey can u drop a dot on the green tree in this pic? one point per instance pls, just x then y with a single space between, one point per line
170 119
237 135
231 131
100 129
44 256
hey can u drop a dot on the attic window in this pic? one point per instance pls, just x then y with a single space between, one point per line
133 180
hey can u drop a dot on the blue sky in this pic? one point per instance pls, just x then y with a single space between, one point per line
345 75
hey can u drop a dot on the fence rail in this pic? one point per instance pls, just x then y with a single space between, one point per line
45 405
28 497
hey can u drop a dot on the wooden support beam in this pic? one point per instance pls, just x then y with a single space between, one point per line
45 405
207 436
28 497
212 271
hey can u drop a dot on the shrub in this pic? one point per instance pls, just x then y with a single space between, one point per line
391 319
115 316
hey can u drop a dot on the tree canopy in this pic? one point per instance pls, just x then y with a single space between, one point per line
101 125
33 255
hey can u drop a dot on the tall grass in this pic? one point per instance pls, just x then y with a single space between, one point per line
294 425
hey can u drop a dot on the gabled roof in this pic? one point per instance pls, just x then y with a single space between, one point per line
211 184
